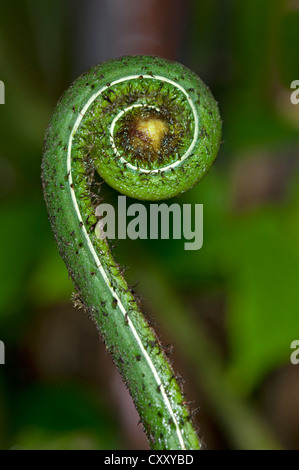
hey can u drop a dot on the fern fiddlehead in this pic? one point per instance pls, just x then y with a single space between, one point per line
151 129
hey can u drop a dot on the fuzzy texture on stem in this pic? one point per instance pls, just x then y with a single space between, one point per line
151 129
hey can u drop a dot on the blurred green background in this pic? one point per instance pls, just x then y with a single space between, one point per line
230 309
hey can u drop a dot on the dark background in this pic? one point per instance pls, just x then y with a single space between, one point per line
230 309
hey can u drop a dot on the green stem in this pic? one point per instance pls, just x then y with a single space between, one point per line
89 129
